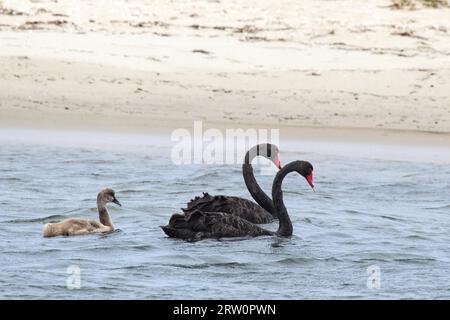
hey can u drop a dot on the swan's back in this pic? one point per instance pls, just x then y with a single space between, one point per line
72 226
236 206
196 225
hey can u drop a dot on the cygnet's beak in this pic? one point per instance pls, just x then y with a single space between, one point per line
117 202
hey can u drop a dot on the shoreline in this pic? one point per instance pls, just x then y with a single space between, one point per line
140 125
385 145
380 79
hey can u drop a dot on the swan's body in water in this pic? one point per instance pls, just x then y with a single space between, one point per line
261 212
75 227
198 225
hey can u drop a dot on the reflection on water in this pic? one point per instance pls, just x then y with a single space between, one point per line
391 214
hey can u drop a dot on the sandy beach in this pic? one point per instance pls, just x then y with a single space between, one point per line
351 68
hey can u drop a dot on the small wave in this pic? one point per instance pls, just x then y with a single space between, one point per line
131 191
415 260
307 220
145 182
416 237
353 211
205 176
371 260
392 218
406 259
411 175
51 218
329 259
295 261
447 206
383 186
143 247
209 265
133 267
10 179
33 252
338 234
397 184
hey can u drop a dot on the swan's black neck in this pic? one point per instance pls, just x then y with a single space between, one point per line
252 185
304 169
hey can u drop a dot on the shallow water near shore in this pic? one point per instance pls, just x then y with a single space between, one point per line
391 215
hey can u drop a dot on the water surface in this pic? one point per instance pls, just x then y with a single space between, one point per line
366 212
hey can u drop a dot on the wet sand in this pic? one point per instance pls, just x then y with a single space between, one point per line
349 144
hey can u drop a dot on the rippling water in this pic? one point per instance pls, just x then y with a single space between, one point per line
389 214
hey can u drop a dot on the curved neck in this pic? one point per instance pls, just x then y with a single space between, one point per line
252 185
285 224
255 190
103 214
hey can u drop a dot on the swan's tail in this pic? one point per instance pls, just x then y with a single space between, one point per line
182 233
50 230
200 202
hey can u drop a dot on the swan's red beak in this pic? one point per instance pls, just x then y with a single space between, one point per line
310 179
277 161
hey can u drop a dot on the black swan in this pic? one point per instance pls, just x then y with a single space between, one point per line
75 227
262 212
198 225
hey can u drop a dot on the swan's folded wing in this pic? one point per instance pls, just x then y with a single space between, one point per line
241 207
227 225
198 225
95 224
